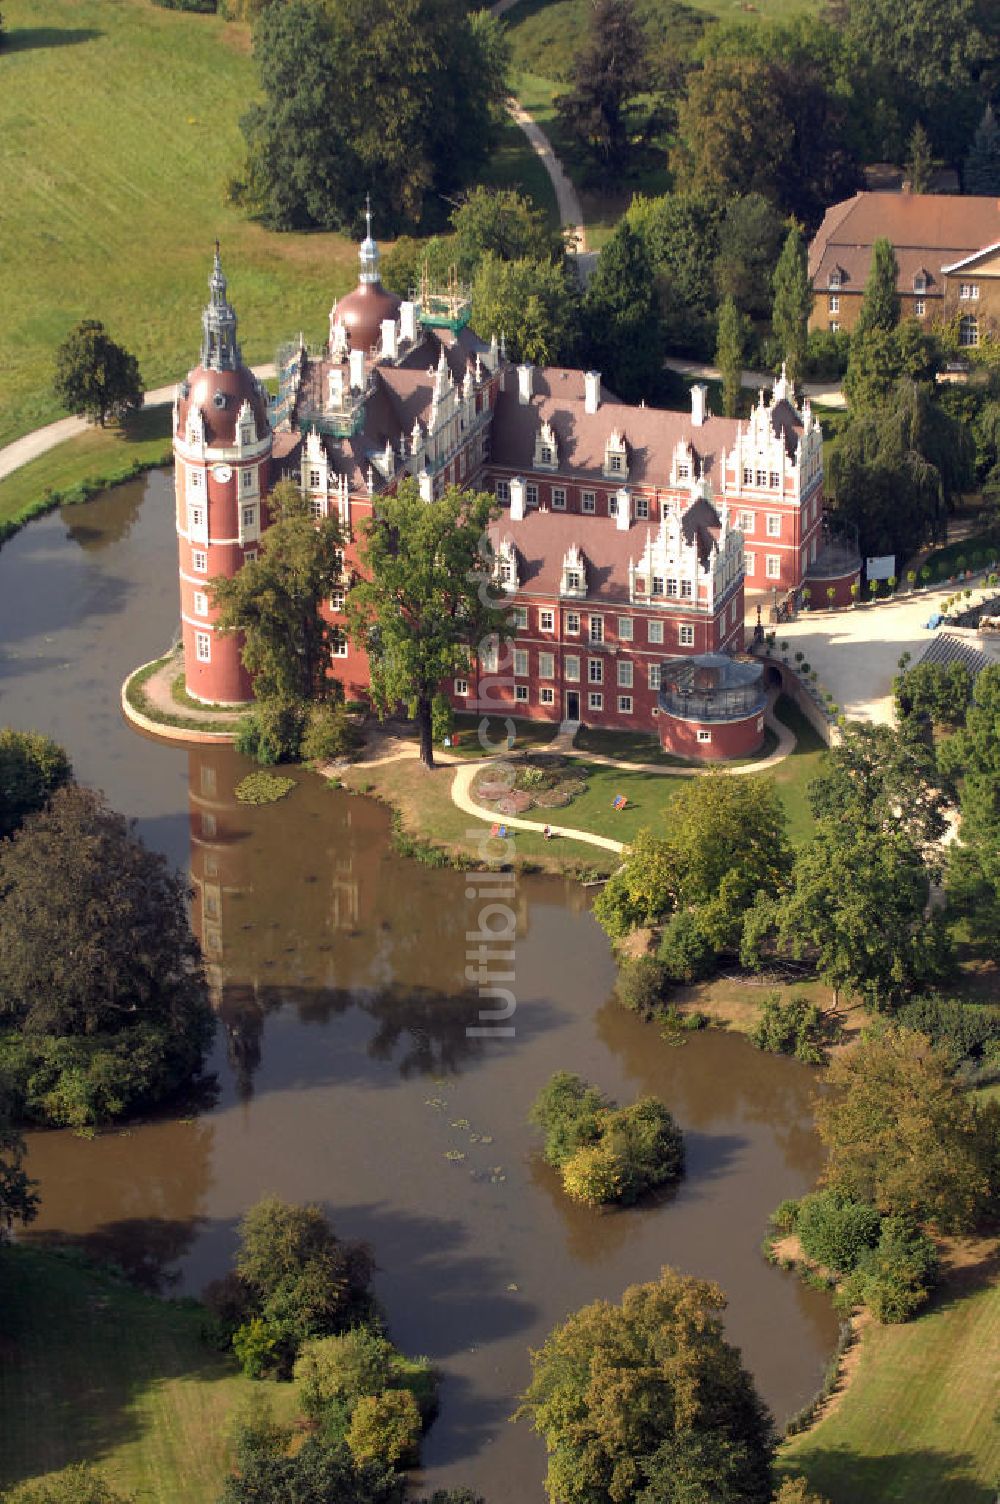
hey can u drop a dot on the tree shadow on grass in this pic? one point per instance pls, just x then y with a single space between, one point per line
847 1477
32 38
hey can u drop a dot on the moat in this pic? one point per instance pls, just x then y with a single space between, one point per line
345 1071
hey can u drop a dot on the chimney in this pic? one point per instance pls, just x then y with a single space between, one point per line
517 500
591 391
408 321
425 484
389 337
524 384
357 369
906 186
623 517
699 404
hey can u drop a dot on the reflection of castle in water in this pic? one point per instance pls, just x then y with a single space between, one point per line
305 904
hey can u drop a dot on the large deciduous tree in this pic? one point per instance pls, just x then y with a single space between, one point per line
750 236
903 1135
974 860
423 609
622 323
503 223
610 72
275 599
102 1000
680 234
96 377
792 303
399 98
631 1398
880 780
32 767
534 305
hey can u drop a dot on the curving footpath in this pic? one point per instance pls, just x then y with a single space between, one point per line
31 446
462 798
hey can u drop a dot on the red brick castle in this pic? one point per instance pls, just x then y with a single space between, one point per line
626 536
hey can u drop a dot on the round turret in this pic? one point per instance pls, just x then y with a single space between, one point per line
362 311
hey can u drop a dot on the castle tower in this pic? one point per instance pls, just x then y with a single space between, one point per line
222 464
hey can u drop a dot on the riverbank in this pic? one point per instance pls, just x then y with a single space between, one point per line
96 1371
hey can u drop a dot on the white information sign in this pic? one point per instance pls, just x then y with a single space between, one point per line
881 568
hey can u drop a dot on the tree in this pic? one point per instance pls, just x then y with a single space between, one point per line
902 1134
981 173
895 468
95 377
18 1199
881 780
314 1474
422 611
622 329
730 351
385 1429
609 74
880 359
796 1491
750 236
503 223
275 600
973 753
792 304
75 1485
32 767
533 305
856 908
626 1395
317 140
880 304
680 234
101 990
729 129
919 165
604 1152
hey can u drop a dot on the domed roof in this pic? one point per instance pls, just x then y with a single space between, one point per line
361 312
220 395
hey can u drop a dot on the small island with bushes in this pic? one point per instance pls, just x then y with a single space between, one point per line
606 1153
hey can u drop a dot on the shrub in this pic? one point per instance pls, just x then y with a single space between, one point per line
785 1216
606 1153
641 984
32 767
792 1028
835 1231
385 1429
343 1368
272 732
895 1278
74 1485
568 1112
684 954
329 733
647 1144
256 1344
594 1175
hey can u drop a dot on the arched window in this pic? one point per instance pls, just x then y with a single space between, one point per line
968 331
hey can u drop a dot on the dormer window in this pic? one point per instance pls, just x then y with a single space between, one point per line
836 279
506 566
920 282
615 455
546 448
574 572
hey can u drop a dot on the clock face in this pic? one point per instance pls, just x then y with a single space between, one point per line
222 473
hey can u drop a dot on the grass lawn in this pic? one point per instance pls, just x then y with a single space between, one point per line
98 458
943 562
642 746
423 800
794 775
94 1371
918 1419
527 734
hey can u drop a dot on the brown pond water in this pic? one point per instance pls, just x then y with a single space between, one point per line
345 1071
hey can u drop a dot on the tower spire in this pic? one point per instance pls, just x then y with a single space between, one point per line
219 350
369 252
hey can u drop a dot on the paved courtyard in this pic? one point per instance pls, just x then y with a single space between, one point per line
856 652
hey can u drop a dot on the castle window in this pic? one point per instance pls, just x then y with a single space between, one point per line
657 584
249 516
745 521
615 462
503 490
573 579
595 700
588 502
684 472
772 566
775 479
545 454
531 494
749 563
521 693
762 477
747 475
547 621
597 629
641 508
338 644
547 696
612 506
248 479
653 675
685 636
919 307
573 623
969 291
196 479
595 670
834 303
625 628
773 525
571 669
546 666
505 572
558 499
249 556
624 674
317 507
199 562
314 479
462 687
654 631
704 736
687 590
200 603
920 282
337 600
196 516
521 662
519 617
968 332
624 704
203 647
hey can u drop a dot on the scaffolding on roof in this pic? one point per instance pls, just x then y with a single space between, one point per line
449 307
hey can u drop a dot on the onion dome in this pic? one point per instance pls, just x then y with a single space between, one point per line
221 384
362 311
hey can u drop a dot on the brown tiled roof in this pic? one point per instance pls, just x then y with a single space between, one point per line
651 433
542 538
220 395
927 230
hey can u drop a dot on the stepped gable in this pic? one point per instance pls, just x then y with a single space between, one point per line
651 433
787 425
